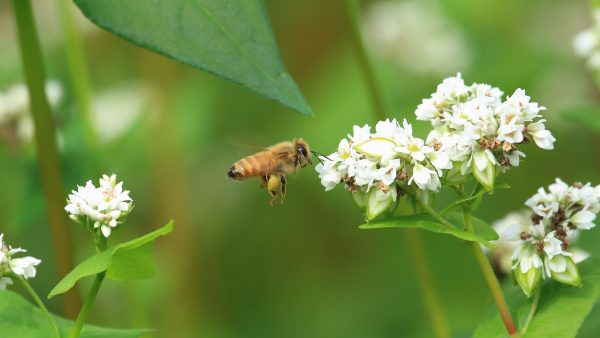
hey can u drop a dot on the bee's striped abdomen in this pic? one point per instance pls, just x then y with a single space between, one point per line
251 166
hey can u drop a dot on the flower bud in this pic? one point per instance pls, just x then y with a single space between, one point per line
564 270
528 281
376 147
360 198
483 165
380 201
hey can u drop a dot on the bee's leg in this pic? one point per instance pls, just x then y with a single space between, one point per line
283 181
263 181
273 183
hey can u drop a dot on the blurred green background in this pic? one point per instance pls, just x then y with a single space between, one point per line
236 267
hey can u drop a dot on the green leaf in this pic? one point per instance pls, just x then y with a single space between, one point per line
587 116
125 261
229 38
424 221
561 311
20 318
472 199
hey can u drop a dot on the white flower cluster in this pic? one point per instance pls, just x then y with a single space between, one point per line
587 43
372 163
415 35
474 131
22 266
478 130
100 208
543 244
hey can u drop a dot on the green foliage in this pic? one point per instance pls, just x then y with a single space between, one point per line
229 38
588 117
472 201
483 231
561 310
126 261
20 318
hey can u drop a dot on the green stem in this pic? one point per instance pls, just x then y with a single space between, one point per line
77 67
490 278
532 310
431 211
353 12
40 304
45 138
418 257
101 245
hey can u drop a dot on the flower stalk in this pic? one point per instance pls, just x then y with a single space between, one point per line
40 304
490 278
532 310
101 245
45 138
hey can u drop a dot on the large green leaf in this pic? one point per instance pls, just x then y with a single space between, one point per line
483 232
561 310
585 116
20 318
229 38
125 261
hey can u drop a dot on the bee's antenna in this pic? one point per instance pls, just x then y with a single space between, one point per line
319 155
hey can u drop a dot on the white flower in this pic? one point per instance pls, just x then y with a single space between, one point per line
470 121
329 176
422 176
22 266
526 258
100 208
583 219
25 266
542 137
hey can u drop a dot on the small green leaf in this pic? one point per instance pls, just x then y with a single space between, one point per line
561 311
472 199
587 116
229 38
125 261
426 222
20 318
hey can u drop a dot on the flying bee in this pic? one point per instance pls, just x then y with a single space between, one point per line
271 165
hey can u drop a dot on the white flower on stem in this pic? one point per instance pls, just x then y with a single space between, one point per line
328 174
360 134
25 266
22 266
542 137
583 219
440 160
100 208
526 257
388 174
423 176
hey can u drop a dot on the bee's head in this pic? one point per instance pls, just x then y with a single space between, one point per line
303 153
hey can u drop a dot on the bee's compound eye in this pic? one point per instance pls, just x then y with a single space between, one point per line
302 151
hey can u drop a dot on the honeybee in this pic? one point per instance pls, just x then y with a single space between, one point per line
271 166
